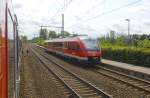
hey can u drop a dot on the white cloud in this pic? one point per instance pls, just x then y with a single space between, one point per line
33 13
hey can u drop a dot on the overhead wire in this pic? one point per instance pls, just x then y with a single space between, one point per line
113 10
62 8
108 12
96 6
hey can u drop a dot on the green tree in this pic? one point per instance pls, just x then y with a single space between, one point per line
66 34
112 36
120 41
52 34
24 39
43 33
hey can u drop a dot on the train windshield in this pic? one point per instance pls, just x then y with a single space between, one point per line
91 44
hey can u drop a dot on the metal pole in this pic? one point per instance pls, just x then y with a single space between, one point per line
128 20
62 30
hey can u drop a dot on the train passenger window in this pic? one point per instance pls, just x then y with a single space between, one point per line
73 46
77 47
54 44
49 44
65 45
60 44
69 46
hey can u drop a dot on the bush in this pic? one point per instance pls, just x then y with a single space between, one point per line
40 41
144 43
137 56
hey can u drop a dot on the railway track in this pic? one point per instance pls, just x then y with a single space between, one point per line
79 87
139 86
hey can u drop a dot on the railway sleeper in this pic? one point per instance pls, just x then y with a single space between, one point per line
85 91
95 97
70 78
89 95
148 96
80 87
144 86
67 93
74 82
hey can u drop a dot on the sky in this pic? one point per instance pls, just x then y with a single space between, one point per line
92 17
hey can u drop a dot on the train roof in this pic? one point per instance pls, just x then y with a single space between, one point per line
68 39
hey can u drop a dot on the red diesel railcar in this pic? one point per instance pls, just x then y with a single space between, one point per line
81 48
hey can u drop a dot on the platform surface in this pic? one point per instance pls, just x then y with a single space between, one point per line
127 66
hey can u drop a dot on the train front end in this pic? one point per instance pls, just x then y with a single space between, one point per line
93 51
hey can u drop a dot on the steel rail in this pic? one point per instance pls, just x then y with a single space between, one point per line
45 65
134 83
123 80
99 91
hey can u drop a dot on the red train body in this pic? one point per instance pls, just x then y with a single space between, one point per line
81 48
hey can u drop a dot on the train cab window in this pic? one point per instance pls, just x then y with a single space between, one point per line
91 44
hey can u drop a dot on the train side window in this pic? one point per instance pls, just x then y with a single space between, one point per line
61 44
69 46
54 44
77 47
48 44
65 45
72 46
